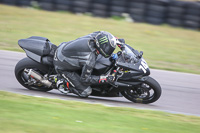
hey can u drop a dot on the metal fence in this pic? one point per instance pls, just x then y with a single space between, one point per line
176 13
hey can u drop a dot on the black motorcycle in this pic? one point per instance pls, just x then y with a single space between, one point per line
132 80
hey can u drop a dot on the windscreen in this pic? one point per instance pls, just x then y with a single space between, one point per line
130 52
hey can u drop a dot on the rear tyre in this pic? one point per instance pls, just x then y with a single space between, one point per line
23 78
148 92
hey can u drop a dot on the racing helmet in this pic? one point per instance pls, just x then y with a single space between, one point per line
105 43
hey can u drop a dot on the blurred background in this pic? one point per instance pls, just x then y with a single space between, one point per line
181 13
167 31
159 28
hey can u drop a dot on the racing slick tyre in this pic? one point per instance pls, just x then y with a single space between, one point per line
148 92
23 78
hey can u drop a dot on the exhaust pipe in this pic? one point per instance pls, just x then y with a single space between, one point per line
38 77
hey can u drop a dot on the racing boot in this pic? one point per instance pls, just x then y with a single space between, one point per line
86 92
77 86
83 93
60 83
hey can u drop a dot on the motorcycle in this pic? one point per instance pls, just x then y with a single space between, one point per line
131 72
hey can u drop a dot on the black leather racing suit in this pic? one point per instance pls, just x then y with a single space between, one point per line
76 55
79 54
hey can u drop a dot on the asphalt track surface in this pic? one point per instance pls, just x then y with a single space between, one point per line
180 91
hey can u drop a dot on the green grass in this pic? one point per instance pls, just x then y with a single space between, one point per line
22 114
164 47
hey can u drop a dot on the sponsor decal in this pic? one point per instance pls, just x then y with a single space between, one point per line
143 66
103 40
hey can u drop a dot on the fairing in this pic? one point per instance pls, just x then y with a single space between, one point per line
38 48
102 65
133 69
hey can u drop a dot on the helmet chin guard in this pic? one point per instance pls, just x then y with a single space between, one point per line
105 43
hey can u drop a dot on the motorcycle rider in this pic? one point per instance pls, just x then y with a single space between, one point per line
81 54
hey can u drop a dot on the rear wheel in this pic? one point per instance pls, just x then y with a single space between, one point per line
148 92
26 80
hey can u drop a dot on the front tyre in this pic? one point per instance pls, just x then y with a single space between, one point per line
24 79
148 92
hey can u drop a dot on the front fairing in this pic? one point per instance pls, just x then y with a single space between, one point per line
131 68
134 69
143 67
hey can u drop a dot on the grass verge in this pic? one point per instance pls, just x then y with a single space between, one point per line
164 47
22 114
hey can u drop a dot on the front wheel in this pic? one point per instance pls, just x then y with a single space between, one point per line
147 92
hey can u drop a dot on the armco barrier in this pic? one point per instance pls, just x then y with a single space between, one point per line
173 12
